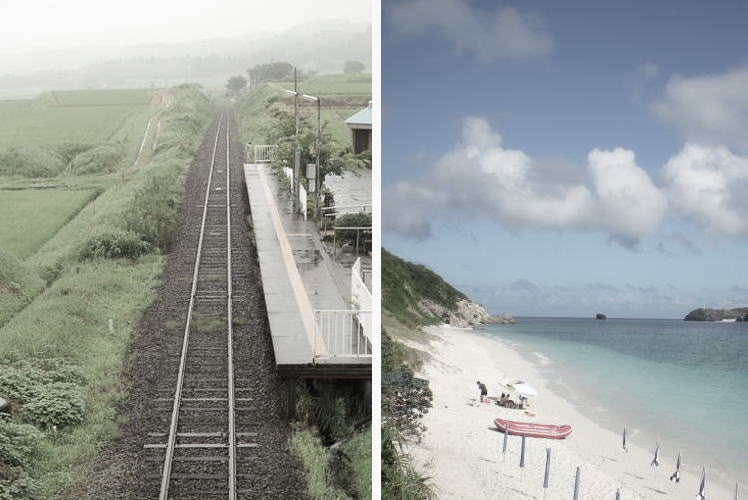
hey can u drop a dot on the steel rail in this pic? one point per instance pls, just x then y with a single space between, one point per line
166 470
229 305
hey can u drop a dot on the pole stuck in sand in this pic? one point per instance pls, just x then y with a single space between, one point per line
522 453
675 478
624 447
701 495
736 491
576 485
547 476
618 493
656 459
506 439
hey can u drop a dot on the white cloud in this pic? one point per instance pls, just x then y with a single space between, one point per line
482 178
502 33
709 109
708 185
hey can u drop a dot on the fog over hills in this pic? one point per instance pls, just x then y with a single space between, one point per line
322 47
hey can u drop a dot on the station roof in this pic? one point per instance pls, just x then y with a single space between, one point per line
360 119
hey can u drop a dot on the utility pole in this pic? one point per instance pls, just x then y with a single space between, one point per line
295 183
318 148
295 106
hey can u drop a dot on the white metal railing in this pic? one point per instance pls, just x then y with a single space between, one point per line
263 153
342 333
330 213
360 293
302 191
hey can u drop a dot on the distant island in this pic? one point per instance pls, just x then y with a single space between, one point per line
600 316
701 314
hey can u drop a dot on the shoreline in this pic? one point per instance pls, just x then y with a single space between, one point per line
461 450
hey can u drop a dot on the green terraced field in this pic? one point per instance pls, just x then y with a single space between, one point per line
339 85
30 217
101 97
89 116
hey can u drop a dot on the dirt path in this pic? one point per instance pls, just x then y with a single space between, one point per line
122 470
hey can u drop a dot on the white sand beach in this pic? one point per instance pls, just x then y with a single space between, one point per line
461 450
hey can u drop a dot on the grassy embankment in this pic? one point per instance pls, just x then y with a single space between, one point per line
332 436
406 398
61 366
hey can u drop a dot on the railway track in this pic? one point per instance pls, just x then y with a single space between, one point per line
197 447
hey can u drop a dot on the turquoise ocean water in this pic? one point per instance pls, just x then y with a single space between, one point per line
685 383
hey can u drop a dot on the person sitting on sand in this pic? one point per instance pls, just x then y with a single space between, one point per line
483 391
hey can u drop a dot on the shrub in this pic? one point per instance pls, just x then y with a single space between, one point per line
153 214
353 220
22 382
355 457
31 162
69 150
18 443
306 445
115 245
22 487
101 159
58 404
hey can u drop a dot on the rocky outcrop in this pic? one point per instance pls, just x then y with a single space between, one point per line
467 314
500 319
600 316
702 314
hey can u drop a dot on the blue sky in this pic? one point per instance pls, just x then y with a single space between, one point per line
567 158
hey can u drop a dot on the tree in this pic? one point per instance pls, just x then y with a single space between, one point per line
275 71
353 67
334 157
235 85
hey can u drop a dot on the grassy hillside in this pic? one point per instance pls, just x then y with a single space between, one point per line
404 284
18 285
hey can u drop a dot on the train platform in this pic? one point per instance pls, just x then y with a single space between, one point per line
301 290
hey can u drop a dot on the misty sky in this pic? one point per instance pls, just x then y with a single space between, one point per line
569 158
63 24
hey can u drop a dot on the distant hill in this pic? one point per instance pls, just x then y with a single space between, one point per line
701 314
416 296
405 285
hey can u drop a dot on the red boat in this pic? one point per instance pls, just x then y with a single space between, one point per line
533 430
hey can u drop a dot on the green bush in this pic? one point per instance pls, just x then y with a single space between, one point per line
23 381
355 458
59 404
115 245
19 487
353 220
101 159
306 445
69 150
153 214
31 162
18 443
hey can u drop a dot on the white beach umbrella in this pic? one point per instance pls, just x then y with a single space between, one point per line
576 485
675 478
624 447
701 495
656 459
522 454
